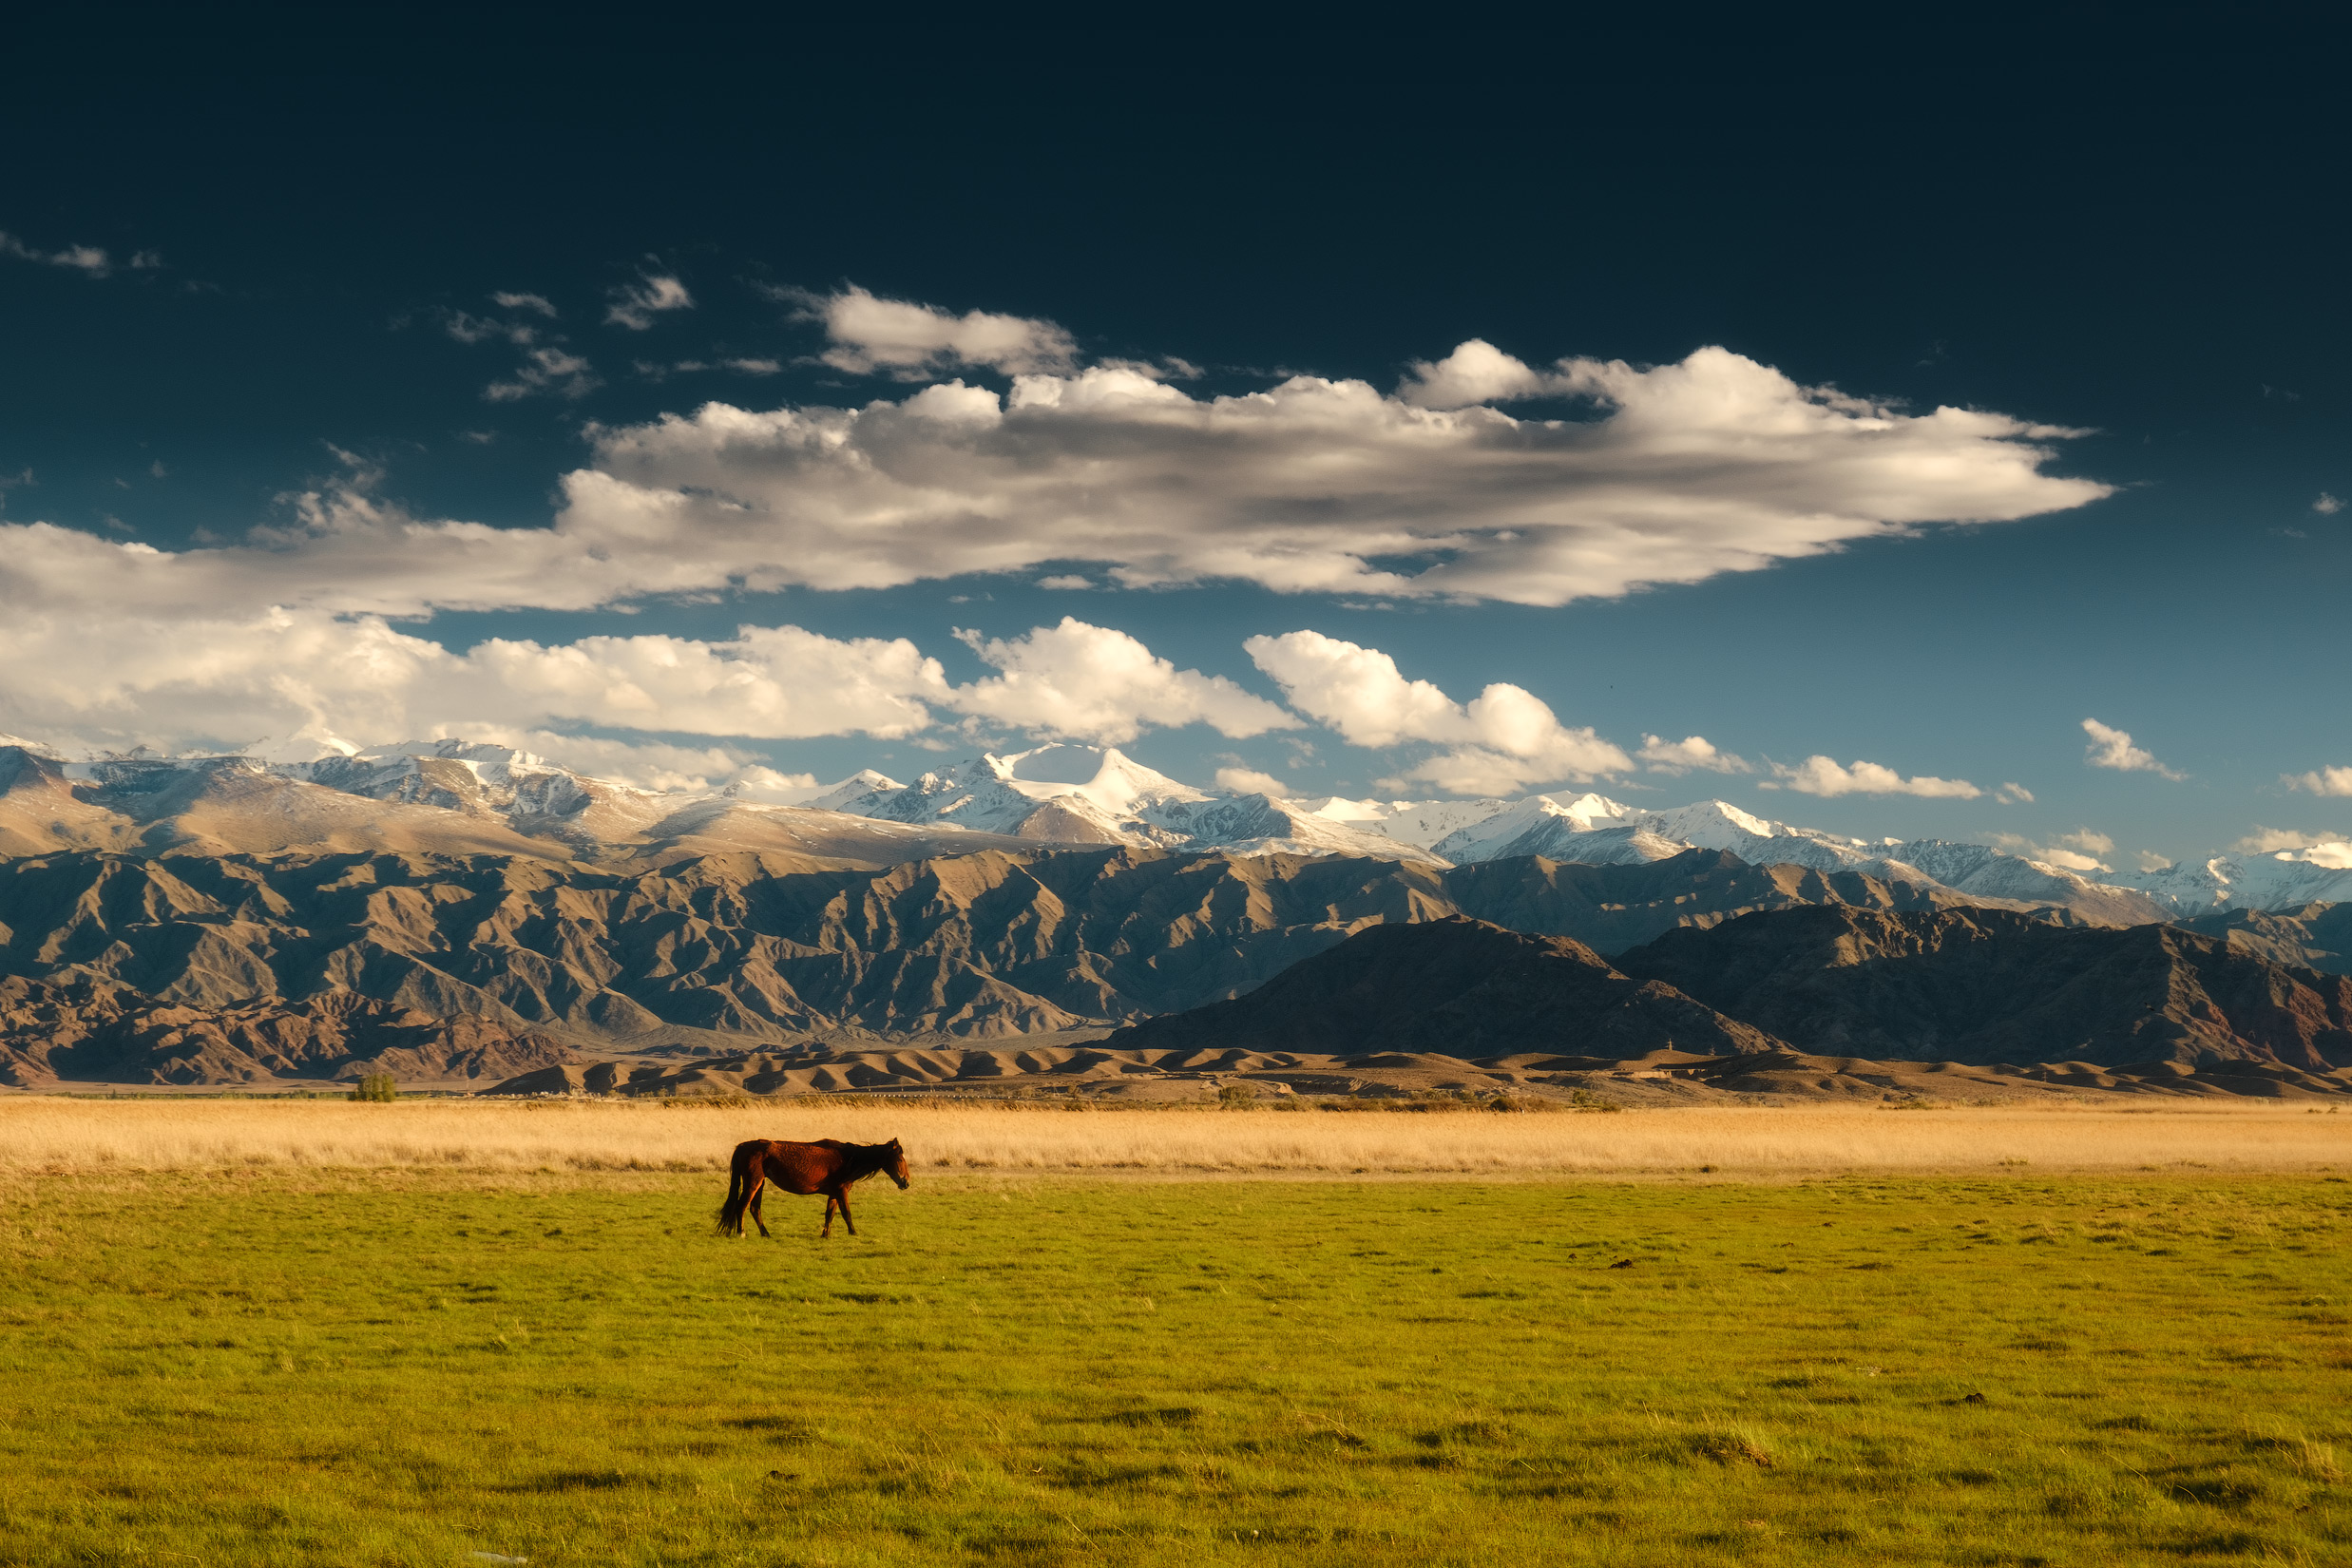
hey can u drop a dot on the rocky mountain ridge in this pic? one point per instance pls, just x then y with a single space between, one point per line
725 950
1807 990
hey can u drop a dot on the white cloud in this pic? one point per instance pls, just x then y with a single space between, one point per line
308 679
2271 840
1680 757
2328 505
1079 683
83 258
1066 580
2149 860
2013 794
2084 841
2080 850
769 682
1475 373
896 337
546 369
647 765
635 305
537 304
2112 748
1716 464
2321 781
1250 781
85 674
1818 775
1500 740
469 328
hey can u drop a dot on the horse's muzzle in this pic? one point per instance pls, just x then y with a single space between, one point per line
902 1183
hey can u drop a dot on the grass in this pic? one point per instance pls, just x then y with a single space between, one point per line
281 1366
58 1136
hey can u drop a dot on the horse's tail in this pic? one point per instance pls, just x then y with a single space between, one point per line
730 1211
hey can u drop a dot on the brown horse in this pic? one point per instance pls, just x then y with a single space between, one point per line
828 1166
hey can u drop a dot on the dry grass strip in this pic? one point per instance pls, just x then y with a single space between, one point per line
59 1135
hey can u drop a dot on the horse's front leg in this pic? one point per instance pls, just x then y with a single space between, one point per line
845 1212
830 1200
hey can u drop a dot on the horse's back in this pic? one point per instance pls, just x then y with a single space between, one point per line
797 1167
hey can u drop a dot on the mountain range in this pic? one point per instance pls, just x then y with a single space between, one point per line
470 913
1825 988
720 951
457 797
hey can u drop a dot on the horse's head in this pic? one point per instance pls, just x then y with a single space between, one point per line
894 1163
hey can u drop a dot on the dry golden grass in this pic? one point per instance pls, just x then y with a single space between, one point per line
63 1136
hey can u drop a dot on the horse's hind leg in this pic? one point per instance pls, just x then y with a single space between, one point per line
845 1212
759 1188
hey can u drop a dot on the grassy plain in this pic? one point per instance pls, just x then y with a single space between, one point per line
300 1363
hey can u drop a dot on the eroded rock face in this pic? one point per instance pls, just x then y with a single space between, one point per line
973 946
1987 986
82 1030
741 950
1459 987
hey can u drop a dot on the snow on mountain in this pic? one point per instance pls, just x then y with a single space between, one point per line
847 796
1051 795
988 793
1597 831
2320 874
1262 824
1420 823
1115 799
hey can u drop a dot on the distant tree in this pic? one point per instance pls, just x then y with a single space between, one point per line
377 1088
1236 1097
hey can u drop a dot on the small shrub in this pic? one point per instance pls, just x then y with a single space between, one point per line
377 1088
1237 1096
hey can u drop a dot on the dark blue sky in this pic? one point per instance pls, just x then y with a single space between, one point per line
2128 219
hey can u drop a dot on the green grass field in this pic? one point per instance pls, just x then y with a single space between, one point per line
291 1368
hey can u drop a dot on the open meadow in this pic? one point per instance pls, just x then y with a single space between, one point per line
448 1334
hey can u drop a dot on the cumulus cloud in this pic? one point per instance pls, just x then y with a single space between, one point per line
872 336
2013 794
312 679
87 675
2149 860
1677 758
1068 580
536 304
1818 775
2112 748
2328 505
1502 739
1250 781
2271 840
635 305
2080 850
2321 781
82 259
1079 683
1475 373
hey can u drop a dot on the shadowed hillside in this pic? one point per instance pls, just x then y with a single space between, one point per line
1986 985
1458 987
